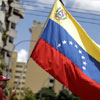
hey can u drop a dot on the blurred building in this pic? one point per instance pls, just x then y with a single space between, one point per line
3 11
18 75
11 11
36 77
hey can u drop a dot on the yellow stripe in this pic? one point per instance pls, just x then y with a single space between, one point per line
76 31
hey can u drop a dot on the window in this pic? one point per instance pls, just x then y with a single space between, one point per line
18 88
23 83
17 77
10 39
51 80
15 11
24 77
18 66
18 71
50 88
8 54
15 82
13 25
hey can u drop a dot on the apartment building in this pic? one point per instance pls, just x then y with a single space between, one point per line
11 11
18 77
3 10
36 77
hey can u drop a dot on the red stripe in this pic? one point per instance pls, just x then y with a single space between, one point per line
65 71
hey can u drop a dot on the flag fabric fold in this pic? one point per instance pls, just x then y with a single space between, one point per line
67 53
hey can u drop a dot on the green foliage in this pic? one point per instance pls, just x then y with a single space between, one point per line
2 66
15 97
1 71
63 95
67 95
35 22
4 37
46 94
28 94
6 92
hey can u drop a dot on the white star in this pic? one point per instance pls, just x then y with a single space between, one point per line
82 57
59 45
70 42
64 42
76 46
84 68
80 51
84 62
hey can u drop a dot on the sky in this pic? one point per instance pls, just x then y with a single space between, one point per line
90 9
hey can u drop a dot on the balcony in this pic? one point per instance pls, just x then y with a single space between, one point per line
9 46
15 19
12 33
18 9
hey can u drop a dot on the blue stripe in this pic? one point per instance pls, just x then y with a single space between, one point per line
54 34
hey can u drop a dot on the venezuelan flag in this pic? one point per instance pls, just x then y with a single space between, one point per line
69 54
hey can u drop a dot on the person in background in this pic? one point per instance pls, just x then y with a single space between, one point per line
3 84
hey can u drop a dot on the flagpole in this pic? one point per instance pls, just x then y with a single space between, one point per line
61 2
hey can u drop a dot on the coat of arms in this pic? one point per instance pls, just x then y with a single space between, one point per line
60 14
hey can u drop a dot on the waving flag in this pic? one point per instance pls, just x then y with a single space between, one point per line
66 52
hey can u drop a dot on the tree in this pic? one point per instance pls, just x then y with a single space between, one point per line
15 97
2 66
46 94
67 95
28 94
4 37
64 95
1 71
